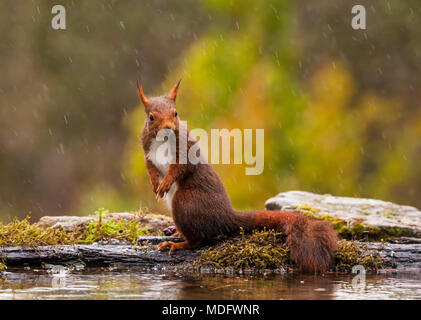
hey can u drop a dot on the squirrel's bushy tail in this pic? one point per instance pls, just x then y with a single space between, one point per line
312 242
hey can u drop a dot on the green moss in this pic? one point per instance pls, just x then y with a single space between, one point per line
349 254
259 250
3 266
357 229
23 233
395 231
267 250
308 209
344 230
389 214
103 230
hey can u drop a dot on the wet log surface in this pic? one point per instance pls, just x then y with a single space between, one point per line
95 254
397 256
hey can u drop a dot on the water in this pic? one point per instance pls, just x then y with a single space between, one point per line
135 283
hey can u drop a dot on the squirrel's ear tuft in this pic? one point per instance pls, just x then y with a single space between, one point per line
173 92
141 95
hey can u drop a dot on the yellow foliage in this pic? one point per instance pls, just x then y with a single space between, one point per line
322 134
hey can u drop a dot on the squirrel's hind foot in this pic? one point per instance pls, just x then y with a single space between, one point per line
176 246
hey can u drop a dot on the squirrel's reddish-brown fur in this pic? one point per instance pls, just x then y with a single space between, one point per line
202 209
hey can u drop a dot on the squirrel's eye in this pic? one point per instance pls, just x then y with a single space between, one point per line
151 117
176 114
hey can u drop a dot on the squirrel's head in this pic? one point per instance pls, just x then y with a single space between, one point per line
160 111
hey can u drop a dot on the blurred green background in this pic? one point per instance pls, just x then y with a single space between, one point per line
340 107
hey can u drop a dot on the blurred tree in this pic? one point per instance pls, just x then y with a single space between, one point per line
384 63
319 89
64 93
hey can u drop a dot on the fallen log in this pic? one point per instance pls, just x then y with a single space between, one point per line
397 256
96 254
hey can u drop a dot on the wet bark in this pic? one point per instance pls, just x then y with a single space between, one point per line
96 254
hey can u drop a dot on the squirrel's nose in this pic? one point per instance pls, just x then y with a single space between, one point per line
170 126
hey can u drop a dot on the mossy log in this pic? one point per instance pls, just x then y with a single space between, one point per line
396 256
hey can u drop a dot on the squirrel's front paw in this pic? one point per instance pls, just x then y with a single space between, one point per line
154 183
155 187
163 188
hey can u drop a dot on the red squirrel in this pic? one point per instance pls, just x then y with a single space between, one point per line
201 207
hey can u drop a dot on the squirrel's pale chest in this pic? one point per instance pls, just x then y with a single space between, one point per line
162 160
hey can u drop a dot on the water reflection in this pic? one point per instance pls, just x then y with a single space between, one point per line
135 283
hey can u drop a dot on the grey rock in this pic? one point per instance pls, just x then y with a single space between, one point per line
367 211
68 223
154 222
